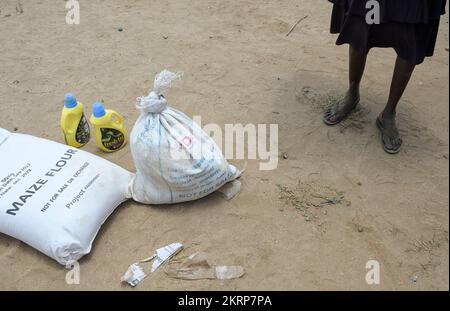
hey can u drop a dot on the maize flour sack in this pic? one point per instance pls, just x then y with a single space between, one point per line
176 161
55 198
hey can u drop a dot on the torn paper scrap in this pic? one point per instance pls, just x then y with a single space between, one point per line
134 275
164 253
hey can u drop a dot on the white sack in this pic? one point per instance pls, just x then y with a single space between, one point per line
55 198
176 160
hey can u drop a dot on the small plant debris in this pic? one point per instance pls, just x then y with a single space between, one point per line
310 197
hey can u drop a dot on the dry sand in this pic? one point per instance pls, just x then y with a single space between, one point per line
241 68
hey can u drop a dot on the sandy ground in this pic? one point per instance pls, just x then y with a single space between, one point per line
241 68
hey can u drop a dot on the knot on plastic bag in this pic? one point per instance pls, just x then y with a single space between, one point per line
155 102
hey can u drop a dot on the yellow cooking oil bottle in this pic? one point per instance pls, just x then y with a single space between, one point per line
110 133
73 122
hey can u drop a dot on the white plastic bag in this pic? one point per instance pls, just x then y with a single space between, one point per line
176 160
55 198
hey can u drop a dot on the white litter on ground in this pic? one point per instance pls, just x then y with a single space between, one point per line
135 273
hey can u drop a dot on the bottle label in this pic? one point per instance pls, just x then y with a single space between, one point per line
83 133
112 139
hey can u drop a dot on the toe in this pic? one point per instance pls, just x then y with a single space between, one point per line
329 115
392 145
331 118
397 143
387 142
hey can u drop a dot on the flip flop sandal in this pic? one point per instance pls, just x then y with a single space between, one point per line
385 137
337 119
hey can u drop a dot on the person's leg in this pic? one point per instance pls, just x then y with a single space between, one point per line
386 121
340 110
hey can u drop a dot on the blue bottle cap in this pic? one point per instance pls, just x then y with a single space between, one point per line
98 110
70 101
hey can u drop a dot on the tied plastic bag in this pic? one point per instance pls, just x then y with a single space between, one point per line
176 161
55 198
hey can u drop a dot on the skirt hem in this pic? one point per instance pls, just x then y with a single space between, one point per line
412 42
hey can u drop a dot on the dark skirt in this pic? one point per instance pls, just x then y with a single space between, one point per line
410 27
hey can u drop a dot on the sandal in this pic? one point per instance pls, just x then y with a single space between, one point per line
332 116
388 138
